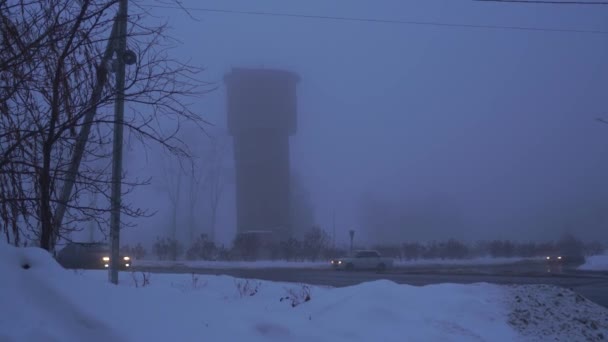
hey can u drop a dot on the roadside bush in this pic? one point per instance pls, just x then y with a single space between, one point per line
167 249
504 249
246 247
412 250
527 250
290 249
202 249
391 251
274 250
454 249
139 252
224 254
568 244
545 248
315 241
431 250
333 253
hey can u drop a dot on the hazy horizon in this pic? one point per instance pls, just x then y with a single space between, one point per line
470 133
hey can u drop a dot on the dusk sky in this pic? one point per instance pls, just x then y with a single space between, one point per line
479 133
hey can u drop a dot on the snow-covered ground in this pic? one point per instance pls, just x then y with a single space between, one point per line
595 263
42 302
320 264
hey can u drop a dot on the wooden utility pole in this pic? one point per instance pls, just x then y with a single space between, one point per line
119 109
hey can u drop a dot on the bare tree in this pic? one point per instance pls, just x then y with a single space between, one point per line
172 174
206 179
215 181
196 179
51 55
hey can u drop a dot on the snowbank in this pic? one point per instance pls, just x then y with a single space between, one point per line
39 301
320 264
549 313
42 302
595 263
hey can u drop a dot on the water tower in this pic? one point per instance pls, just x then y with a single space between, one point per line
261 105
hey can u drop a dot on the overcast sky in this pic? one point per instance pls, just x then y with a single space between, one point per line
496 126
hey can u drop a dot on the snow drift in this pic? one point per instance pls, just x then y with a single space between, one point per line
595 263
42 302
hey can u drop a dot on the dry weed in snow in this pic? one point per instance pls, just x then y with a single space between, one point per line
140 281
247 288
551 313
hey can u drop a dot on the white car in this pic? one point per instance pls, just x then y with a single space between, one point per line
363 260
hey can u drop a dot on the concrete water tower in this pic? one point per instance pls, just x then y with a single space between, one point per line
261 105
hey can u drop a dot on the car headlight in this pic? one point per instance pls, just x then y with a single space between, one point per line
106 258
548 258
127 265
559 258
339 262
126 258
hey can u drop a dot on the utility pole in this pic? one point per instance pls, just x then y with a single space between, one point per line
351 233
119 108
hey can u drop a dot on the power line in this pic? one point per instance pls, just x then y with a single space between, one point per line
552 2
377 20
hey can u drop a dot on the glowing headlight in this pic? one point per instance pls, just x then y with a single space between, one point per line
106 265
339 262
126 258
559 258
548 258
106 258
127 265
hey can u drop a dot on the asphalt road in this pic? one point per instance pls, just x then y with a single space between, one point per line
592 285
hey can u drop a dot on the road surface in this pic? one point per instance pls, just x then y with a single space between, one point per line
592 285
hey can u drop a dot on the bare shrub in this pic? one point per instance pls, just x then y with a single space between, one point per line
297 296
196 283
142 280
247 288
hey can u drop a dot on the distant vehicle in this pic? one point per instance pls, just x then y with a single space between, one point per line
558 259
364 260
81 255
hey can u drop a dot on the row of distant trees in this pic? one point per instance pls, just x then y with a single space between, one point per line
454 249
316 245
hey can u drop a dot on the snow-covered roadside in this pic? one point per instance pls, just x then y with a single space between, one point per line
42 302
320 264
595 263
549 313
